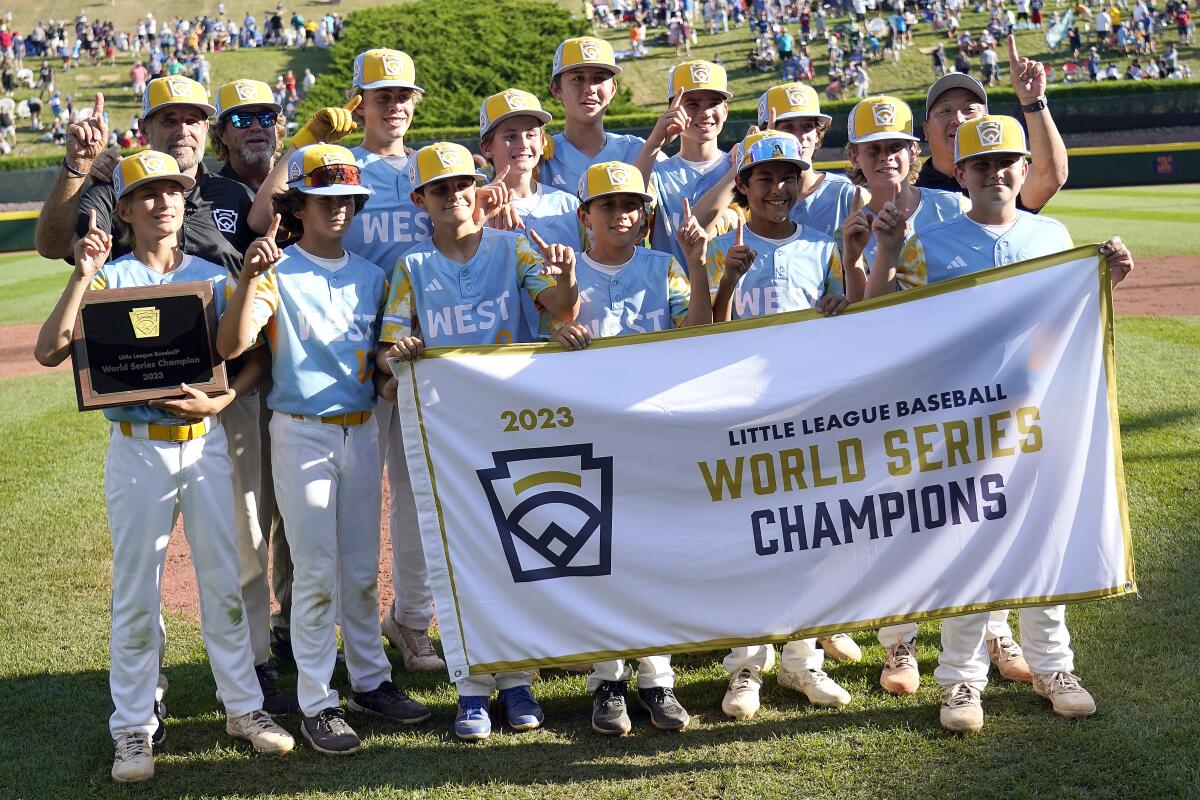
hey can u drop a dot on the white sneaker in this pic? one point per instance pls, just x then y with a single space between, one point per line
741 698
134 759
260 730
1065 693
414 645
841 647
962 709
819 688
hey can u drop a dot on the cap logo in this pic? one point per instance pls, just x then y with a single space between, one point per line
617 175
589 50
884 114
179 87
413 176
763 116
777 150
245 90
991 133
358 67
295 170
391 65
701 73
483 120
557 66
152 163
448 157
330 157
795 95
514 100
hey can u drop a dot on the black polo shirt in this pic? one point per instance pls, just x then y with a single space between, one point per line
215 219
931 177
227 171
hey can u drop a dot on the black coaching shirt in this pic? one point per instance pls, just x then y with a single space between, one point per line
215 219
931 177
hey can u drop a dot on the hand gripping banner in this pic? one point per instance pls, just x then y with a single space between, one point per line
940 451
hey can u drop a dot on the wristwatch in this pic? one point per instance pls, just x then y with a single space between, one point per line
1035 106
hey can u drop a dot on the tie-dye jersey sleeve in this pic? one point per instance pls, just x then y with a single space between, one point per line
226 289
398 309
529 269
99 280
266 299
715 266
679 292
834 281
911 270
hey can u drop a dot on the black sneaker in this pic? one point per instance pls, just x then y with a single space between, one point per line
609 715
329 733
275 702
390 703
666 713
160 733
281 647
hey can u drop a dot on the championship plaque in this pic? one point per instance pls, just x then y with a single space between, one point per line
138 344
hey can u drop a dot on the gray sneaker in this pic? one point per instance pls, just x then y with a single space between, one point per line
329 733
390 703
666 713
609 715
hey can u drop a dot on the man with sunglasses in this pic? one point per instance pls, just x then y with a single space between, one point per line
249 132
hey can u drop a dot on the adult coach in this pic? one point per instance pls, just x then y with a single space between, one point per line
955 98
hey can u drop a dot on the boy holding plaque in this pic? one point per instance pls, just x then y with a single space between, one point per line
164 457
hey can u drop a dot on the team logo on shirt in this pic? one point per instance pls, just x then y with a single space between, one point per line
589 50
700 73
884 114
991 133
553 510
245 90
226 219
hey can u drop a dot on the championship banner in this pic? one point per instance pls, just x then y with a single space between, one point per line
940 451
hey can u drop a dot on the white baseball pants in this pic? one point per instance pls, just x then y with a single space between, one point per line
652 671
484 685
1045 641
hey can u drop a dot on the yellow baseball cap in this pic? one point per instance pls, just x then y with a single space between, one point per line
697 76
769 146
789 100
509 103
175 90
146 166
991 133
583 51
381 67
880 117
441 160
325 169
612 177
244 92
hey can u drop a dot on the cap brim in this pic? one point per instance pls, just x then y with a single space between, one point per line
954 80
615 70
178 177
341 188
478 178
223 113
384 84
205 107
998 151
883 135
541 116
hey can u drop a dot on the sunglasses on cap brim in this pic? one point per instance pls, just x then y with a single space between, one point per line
244 119
330 175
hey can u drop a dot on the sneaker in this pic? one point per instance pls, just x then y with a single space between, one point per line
473 722
414 645
520 709
1006 655
134 758
609 715
1065 693
840 647
900 674
160 710
820 689
274 701
329 733
281 646
389 702
260 730
666 713
962 709
741 698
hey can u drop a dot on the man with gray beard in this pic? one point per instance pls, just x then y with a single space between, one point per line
249 133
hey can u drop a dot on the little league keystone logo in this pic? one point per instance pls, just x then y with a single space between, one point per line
225 219
245 90
700 74
884 113
795 96
990 133
553 510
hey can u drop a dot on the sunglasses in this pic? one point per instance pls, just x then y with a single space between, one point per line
330 175
244 119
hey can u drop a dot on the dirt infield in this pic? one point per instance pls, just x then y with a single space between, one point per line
1165 286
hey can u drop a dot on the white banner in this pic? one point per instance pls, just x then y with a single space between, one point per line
940 451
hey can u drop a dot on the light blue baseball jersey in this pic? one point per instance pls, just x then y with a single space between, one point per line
961 246
322 325
647 293
787 274
126 272
564 170
825 209
551 213
670 182
390 223
447 302
935 206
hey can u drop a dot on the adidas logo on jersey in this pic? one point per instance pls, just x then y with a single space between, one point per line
434 286
956 263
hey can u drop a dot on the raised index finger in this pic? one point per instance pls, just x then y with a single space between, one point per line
353 104
857 203
738 238
771 117
1013 58
676 100
687 210
98 106
92 219
274 229
501 175
537 240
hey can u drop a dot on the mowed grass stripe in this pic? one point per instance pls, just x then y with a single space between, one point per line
29 286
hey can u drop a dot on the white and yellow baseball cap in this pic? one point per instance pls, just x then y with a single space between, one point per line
175 90
509 103
382 67
698 76
790 100
881 117
612 177
242 93
325 169
583 51
146 166
440 160
770 146
991 133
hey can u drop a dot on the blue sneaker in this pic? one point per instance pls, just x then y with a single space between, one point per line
522 711
472 722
